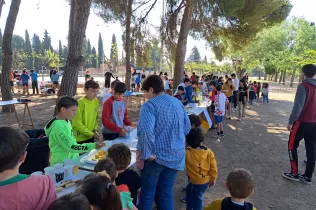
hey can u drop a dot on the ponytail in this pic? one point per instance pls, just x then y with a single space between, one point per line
113 198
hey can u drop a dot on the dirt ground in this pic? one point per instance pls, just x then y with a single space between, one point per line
259 144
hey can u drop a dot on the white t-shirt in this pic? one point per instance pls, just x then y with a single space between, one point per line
236 83
220 102
166 84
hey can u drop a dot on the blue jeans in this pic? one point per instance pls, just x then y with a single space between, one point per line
159 180
194 196
265 98
250 101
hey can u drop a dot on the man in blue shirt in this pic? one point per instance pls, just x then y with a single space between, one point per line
34 77
25 81
161 130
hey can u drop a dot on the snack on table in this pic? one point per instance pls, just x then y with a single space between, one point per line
65 184
100 155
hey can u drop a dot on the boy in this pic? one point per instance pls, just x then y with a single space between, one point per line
121 155
201 169
20 191
220 106
137 81
107 165
12 80
302 124
62 141
71 201
25 81
114 114
85 122
212 93
34 77
240 185
188 90
180 95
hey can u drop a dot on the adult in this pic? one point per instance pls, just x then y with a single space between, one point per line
302 124
25 81
107 81
161 130
228 90
34 78
161 75
17 77
12 80
87 76
246 77
193 77
143 75
236 84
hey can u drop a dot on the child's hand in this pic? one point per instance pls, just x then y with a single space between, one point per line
211 184
123 133
99 145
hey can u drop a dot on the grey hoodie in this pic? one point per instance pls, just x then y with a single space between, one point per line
299 100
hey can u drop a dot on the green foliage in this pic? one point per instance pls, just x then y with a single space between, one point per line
195 55
47 42
18 42
28 51
94 58
114 52
100 50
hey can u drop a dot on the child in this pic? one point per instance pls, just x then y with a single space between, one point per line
121 155
194 93
109 167
240 185
243 97
114 114
195 121
100 191
212 92
109 93
20 191
201 169
138 81
265 93
62 141
252 94
132 81
71 201
55 79
34 77
180 95
228 90
85 122
220 106
188 90
25 81
258 90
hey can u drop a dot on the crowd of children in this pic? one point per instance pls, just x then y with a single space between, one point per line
112 186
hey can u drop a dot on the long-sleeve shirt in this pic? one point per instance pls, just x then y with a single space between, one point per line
161 130
189 93
85 121
114 115
62 141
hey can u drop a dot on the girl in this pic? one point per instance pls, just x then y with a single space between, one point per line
243 97
228 90
252 94
101 192
265 93
258 90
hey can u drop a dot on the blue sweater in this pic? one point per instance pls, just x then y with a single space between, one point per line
189 93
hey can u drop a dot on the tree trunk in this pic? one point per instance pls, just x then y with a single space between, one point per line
276 74
301 78
7 52
281 76
265 76
284 76
128 44
293 77
78 20
182 44
259 75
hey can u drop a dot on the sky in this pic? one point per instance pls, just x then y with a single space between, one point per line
53 15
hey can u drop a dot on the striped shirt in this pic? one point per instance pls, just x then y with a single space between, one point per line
161 130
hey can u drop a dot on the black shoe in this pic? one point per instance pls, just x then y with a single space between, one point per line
305 179
222 135
291 176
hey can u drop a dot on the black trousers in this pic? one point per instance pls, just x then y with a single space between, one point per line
35 86
235 98
107 83
306 131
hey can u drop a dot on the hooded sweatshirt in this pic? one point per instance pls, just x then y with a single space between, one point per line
227 204
304 103
62 141
25 192
200 165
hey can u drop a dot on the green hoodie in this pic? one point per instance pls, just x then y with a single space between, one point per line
62 142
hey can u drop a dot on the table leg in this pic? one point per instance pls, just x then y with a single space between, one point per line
24 113
16 114
9 114
30 115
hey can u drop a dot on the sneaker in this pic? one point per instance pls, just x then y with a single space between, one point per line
290 176
183 200
305 179
222 135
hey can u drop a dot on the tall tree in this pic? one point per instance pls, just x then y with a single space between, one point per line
195 55
114 53
100 50
18 42
7 52
94 61
78 21
0 47
28 51
47 42
60 52
88 50
2 2
37 51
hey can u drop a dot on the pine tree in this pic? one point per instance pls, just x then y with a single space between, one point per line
65 54
88 50
28 51
94 61
47 42
60 51
37 47
114 52
100 50
195 55
205 59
